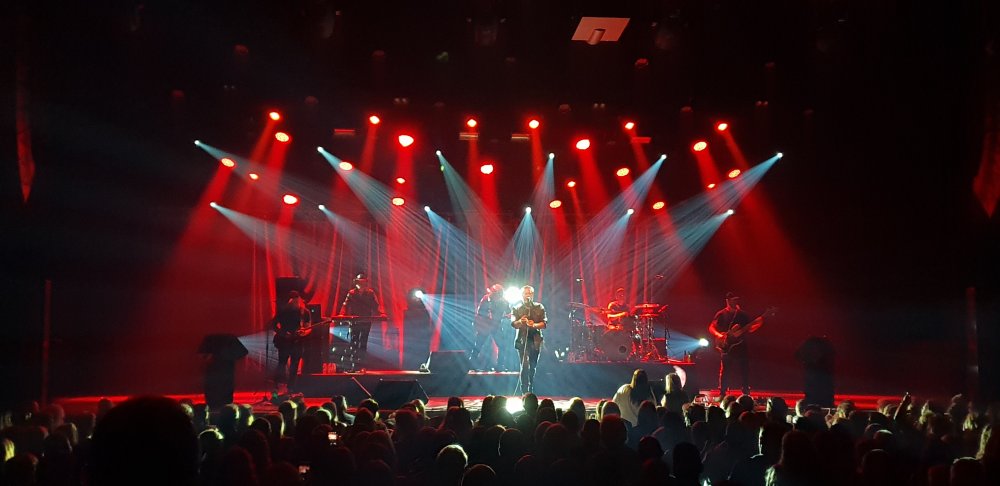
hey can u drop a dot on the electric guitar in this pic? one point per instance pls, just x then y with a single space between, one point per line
283 338
736 334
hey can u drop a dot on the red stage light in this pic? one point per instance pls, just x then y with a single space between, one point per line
622 172
274 115
722 126
699 146
571 184
711 186
405 140
282 137
734 173
400 180
629 125
398 201
290 199
374 120
583 144
659 205
345 165
486 168
533 124
253 176
555 204
471 123
226 161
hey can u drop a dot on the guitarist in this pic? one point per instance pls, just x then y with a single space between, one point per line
289 324
529 319
490 312
730 328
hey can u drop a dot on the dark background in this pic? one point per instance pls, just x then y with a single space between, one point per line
878 106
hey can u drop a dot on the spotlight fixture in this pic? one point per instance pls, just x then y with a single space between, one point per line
400 180
418 294
622 172
274 115
437 152
722 126
398 201
527 210
710 186
630 211
658 205
253 176
555 204
533 124
427 209
345 165
583 144
405 140
730 212
571 184
282 137
703 342
629 125
226 161
699 146
322 207
486 169
374 120
471 123
552 155
212 204
734 173
779 155
290 199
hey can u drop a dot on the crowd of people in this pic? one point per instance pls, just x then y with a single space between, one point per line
633 439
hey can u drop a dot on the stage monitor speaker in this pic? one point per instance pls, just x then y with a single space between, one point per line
392 394
284 285
450 363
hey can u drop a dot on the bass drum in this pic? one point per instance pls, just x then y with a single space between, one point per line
615 345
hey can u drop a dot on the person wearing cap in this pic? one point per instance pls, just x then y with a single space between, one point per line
730 327
290 317
360 301
490 312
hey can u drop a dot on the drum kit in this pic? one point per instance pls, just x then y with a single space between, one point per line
596 337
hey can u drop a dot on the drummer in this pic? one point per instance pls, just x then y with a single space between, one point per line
617 309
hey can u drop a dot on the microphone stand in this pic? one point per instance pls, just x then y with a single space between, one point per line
524 356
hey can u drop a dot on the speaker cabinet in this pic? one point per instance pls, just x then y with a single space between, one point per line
392 394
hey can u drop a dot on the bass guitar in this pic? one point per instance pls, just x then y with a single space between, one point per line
736 334
284 338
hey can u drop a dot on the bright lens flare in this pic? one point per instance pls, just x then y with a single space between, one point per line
512 295
282 137
622 172
699 146
486 169
405 140
226 161
583 144
555 204
514 405
734 173
274 115
345 165
659 205
290 199
398 201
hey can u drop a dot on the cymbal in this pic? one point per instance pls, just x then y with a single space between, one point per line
647 306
